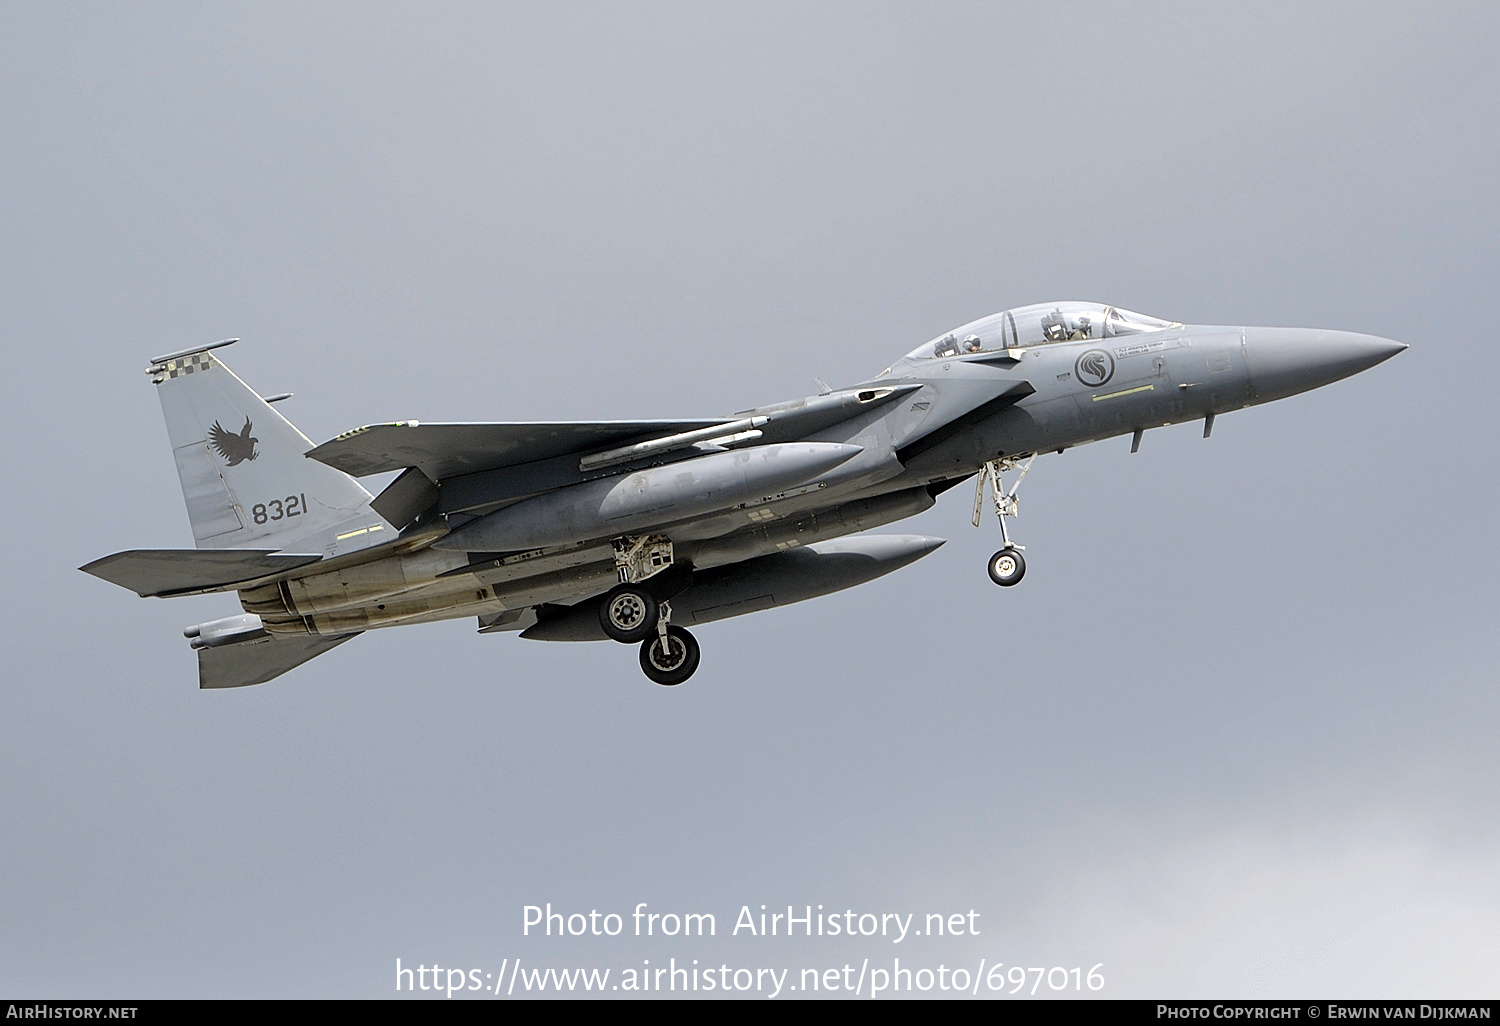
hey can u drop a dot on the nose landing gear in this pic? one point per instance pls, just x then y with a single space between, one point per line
1006 567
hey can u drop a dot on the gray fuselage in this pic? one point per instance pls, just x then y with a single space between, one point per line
931 421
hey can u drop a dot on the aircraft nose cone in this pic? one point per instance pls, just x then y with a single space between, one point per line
1285 361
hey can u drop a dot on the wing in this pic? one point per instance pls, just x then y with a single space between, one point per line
449 450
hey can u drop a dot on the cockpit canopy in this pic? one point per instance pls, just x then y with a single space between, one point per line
1037 325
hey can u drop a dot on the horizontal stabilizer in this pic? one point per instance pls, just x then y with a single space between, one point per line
255 662
448 450
160 572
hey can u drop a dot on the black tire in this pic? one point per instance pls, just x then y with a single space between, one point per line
1007 568
679 662
628 613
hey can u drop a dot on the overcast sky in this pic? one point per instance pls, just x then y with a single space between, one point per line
1233 736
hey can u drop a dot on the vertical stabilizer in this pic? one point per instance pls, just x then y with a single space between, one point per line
244 478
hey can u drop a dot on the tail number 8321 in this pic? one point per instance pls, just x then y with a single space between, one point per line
279 509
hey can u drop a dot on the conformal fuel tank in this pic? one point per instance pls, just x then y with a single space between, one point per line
660 495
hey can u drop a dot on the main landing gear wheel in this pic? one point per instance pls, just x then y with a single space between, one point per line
672 659
1007 568
628 614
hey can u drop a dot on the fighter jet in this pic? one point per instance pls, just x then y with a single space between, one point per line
633 530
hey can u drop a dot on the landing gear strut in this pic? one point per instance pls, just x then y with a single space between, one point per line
630 613
671 655
1006 567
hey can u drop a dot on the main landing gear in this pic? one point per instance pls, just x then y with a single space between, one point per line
1006 567
629 613
670 656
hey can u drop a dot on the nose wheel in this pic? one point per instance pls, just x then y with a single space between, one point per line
1006 567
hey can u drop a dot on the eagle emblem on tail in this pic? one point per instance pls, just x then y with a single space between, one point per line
234 448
